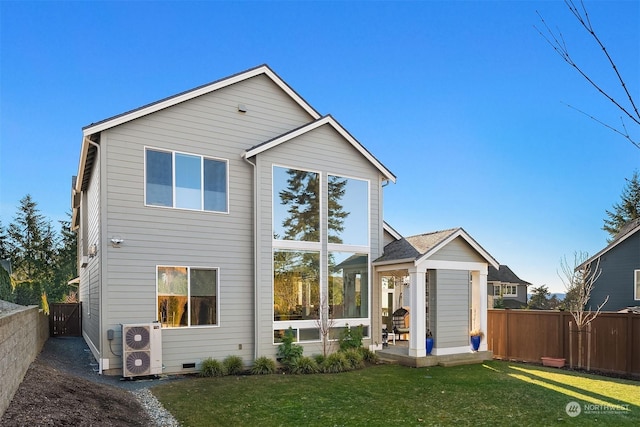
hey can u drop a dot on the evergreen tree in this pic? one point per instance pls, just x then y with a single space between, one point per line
539 298
32 247
4 243
626 210
66 262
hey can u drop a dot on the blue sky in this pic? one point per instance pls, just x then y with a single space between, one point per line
463 101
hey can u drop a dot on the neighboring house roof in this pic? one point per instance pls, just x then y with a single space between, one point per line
628 230
326 120
422 246
505 275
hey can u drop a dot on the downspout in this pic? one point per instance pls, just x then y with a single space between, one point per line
255 258
100 312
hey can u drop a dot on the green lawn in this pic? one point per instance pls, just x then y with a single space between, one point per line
496 393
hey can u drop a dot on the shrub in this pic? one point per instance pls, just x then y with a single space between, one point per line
368 355
334 363
354 358
288 352
212 368
263 366
351 338
303 365
319 358
233 365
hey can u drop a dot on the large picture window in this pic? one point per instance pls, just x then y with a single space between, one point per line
186 181
187 296
296 285
348 285
320 224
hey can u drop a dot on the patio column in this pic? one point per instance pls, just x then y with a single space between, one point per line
483 308
417 321
479 301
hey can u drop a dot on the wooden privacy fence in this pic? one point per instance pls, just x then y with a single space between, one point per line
528 335
65 320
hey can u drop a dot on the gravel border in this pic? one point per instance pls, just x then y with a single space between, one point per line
72 355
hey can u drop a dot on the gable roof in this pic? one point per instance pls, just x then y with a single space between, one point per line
628 230
505 275
420 247
389 229
88 152
199 91
326 120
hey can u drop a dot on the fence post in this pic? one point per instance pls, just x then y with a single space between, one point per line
630 343
588 346
570 344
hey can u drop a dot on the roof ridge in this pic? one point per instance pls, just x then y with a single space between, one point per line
435 232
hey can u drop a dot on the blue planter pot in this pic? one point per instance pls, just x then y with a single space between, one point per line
475 342
429 345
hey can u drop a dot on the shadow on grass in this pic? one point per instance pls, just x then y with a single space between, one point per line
598 393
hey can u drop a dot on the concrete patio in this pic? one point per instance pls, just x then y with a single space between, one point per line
399 353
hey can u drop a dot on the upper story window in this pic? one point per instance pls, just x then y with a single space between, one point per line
296 206
186 181
348 209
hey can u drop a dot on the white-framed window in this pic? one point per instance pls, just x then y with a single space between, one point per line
320 224
185 181
497 290
509 290
636 288
187 296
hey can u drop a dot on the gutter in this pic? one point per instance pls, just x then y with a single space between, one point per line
255 257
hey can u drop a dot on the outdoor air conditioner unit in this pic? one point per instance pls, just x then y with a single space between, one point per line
141 349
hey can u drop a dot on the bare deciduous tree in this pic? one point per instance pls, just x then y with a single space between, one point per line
325 323
579 280
556 40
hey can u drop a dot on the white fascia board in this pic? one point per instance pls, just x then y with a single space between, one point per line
391 230
314 125
398 264
199 92
83 158
461 233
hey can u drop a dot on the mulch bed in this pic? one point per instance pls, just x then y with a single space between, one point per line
49 397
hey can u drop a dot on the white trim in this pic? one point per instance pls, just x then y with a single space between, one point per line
636 287
386 227
127 117
454 265
326 120
464 235
442 351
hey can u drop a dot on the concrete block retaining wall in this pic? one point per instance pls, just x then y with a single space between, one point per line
23 332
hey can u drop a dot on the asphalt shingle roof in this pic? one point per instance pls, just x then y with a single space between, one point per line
504 275
414 247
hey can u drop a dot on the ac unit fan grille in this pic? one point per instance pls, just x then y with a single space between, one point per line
138 362
137 337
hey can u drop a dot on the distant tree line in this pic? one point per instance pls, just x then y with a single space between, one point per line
42 260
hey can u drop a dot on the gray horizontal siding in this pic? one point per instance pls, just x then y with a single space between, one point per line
209 126
616 279
457 250
452 313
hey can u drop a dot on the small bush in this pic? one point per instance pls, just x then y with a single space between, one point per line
233 365
354 358
212 368
288 352
368 355
334 363
263 366
351 338
303 365
319 358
